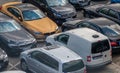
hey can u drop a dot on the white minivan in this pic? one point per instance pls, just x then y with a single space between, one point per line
52 59
92 46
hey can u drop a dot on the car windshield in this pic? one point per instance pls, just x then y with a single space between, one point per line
29 15
56 2
73 65
9 26
110 32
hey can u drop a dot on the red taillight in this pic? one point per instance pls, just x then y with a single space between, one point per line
88 58
85 71
0 7
113 43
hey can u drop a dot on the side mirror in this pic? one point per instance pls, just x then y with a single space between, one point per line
20 18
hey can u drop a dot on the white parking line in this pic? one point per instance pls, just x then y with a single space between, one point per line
14 66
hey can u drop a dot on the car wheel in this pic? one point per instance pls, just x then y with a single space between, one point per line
86 15
64 29
24 66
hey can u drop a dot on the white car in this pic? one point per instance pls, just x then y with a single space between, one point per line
52 59
13 72
91 45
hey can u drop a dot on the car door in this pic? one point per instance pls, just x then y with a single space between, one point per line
62 39
33 62
15 13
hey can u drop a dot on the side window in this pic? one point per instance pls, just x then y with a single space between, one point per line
14 11
88 25
63 38
104 11
113 13
45 59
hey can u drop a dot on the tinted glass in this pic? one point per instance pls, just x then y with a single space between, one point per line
32 15
104 10
9 26
57 2
100 46
113 14
63 38
73 66
45 59
110 32
14 11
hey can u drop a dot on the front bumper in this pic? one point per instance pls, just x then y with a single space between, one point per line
99 65
3 64
42 37
16 50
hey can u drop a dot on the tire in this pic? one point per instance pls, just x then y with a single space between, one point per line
24 66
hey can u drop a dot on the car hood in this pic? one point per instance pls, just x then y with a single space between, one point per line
65 9
17 36
44 25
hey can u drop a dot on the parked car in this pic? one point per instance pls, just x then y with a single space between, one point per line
102 25
13 38
115 1
58 10
52 59
110 11
33 19
13 71
80 3
92 46
3 59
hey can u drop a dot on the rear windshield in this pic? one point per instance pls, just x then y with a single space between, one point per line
73 65
100 46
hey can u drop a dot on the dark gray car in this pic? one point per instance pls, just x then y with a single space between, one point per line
58 10
13 38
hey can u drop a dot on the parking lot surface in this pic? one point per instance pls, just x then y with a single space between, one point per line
14 63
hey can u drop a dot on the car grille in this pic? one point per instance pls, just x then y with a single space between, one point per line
46 34
26 47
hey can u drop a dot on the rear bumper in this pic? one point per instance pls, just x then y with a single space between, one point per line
115 49
99 65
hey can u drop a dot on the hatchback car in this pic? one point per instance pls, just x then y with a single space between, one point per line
80 3
52 59
3 59
58 10
102 25
110 11
13 38
33 19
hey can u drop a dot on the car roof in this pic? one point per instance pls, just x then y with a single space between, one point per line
60 53
101 22
4 17
25 6
87 34
12 72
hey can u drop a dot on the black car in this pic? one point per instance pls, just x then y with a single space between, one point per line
102 25
110 11
13 38
78 4
3 59
58 10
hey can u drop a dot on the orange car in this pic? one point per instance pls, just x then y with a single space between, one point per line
31 18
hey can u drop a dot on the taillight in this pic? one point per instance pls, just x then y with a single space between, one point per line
85 71
88 58
113 43
0 7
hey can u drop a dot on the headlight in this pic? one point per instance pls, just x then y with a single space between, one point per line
57 28
57 15
37 33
